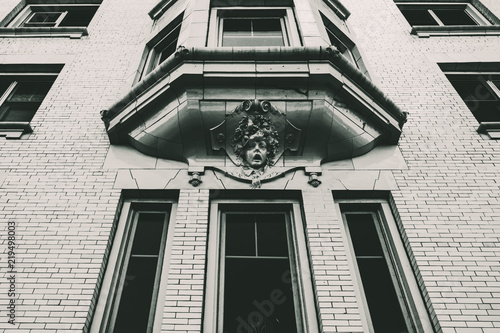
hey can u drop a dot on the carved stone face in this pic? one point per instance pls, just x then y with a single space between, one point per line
256 153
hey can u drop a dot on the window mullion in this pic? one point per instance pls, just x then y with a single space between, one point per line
159 263
60 18
493 88
8 91
435 17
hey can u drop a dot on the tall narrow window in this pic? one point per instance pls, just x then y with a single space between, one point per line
388 288
135 283
260 275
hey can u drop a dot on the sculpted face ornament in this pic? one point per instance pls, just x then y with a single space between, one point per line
255 143
254 137
256 153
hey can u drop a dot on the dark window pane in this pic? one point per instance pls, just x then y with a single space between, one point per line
385 309
30 92
271 235
168 45
478 95
18 111
135 303
148 234
454 16
240 235
267 25
252 32
364 235
258 296
237 25
418 17
78 17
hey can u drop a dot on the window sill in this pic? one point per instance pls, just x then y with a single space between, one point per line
14 129
71 32
457 30
492 129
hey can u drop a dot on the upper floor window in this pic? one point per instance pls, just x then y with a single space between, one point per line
21 94
253 27
162 46
442 14
55 15
337 39
432 18
480 90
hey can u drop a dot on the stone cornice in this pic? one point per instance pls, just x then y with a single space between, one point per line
276 55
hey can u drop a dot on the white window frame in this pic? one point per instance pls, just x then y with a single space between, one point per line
288 24
469 9
28 12
299 261
397 260
115 270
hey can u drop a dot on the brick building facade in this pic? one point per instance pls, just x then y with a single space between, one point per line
386 158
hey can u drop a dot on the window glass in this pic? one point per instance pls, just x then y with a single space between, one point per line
24 100
252 32
141 278
418 16
385 311
479 94
454 16
43 19
78 17
258 292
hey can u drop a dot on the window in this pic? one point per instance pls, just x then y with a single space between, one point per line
256 27
256 281
162 46
387 288
481 93
344 45
132 282
21 94
64 15
442 14
449 18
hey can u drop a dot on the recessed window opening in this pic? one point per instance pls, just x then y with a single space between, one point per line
253 27
344 48
56 16
388 293
258 277
386 312
480 92
162 46
430 14
21 96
